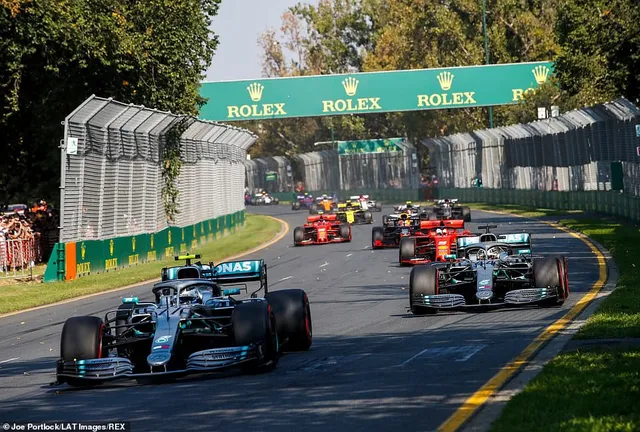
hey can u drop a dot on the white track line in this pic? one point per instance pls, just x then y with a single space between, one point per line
11 359
284 279
349 255
322 265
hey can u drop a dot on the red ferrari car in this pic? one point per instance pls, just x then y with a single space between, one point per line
319 229
434 241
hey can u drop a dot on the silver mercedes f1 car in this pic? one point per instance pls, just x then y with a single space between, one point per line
489 271
194 325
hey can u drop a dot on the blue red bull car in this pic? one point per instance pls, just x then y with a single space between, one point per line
302 201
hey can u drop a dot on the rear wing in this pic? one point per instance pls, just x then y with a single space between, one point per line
240 272
316 218
520 242
451 223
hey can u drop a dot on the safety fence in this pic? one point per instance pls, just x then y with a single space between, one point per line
116 182
594 148
272 174
329 171
587 159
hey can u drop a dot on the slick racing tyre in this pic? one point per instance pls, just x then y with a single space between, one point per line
254 322
407 250
466 214
423 280
432 217
313 209
385 219
298 236
378 207
295 205
550 273
377 234
345 232
293 318
368 217
81 340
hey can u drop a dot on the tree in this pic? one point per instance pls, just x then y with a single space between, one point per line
57 53
600 57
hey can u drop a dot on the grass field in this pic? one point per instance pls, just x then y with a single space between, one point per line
596 389
22 295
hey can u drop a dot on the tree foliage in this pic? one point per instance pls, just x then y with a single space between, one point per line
340 36
56 53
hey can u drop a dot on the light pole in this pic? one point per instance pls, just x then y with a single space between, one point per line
486 50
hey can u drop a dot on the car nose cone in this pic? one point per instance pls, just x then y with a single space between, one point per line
484 295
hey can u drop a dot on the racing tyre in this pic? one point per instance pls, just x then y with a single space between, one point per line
407 249
368 217
298 236
81 340
423 280
254 322
377 234
378 207
432 217
276 201
345 232
385 219
313 209
295 205
549 272
466 214
293 318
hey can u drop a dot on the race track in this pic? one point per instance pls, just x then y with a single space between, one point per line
372 366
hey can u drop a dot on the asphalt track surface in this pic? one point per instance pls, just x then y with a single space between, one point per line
372 366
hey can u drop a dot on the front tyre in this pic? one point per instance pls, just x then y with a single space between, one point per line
254 322
81 340
423 281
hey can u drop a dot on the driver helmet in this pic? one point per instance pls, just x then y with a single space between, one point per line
439 231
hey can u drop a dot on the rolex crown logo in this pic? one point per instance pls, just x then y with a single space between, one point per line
133 244
541 73
83 250
111 247
350 86
445 79
255 91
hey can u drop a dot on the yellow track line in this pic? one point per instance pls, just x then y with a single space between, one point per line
488 390
283 231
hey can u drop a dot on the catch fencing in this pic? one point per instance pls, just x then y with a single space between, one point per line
571 152
327 171
112 184
584 159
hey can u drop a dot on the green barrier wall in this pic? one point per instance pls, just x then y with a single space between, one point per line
72 260
609 203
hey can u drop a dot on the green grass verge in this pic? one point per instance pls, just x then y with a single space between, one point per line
597 389
19 296
582 391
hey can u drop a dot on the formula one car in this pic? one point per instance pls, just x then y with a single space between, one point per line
433 241
444 209
367 203
407 208
194 325
264 198
352 213
321 229
489 271
393 230
302 201
324 203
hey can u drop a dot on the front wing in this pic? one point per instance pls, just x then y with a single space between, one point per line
519 297
113 368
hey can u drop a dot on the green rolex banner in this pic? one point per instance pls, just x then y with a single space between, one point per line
389 145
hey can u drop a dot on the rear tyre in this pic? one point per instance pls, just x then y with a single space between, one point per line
385 219
345 232
368 217
81 340
254 322
377 234
432 217
313 209
295 205
378 206
407 249
548 273
423 280
298 236
276 201
466 214
293 318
